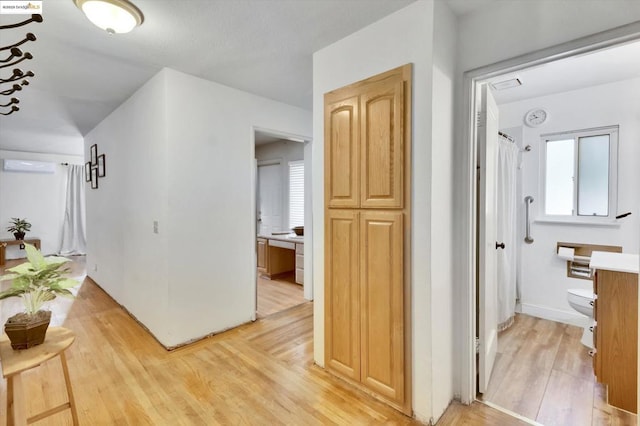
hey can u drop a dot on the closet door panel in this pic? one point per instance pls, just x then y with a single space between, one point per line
342 306
381 302
382 147
342 168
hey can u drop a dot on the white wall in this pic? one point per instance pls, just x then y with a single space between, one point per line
180 151
505 31
38 197
124 256
406 36
544 280
285 151
443 318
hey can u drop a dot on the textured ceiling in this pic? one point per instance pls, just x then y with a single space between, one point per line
82 73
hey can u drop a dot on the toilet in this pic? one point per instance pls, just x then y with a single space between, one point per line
582 301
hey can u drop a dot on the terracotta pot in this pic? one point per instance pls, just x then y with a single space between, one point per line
26 331
19 235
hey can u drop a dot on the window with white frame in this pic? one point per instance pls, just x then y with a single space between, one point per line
580 174
296 193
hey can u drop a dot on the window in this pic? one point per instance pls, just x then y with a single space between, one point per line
580 174
296 193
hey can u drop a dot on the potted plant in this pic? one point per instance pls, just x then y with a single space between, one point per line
19 227
36 281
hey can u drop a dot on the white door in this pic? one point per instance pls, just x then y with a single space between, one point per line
269 215
487 245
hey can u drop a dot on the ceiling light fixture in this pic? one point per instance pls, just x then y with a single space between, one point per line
113 16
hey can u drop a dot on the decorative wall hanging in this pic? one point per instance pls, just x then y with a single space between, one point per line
14 57
96 167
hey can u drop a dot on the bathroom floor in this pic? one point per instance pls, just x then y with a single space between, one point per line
544 373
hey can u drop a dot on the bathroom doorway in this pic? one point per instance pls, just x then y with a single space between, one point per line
539 363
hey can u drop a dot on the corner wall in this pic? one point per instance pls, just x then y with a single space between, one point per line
443 318
124 255
180 152
211 215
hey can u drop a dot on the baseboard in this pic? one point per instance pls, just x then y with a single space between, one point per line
566 317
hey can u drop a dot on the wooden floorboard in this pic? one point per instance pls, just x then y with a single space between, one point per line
260 373
278 294
544 373
256 374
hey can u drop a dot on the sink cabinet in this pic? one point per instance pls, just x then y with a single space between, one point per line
616 336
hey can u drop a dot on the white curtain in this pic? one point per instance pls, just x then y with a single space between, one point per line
74 239
506 230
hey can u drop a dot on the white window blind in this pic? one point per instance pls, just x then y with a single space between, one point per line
296 193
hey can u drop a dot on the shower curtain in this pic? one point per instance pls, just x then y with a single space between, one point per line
507 166
73 228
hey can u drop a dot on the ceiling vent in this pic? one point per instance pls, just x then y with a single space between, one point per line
506 84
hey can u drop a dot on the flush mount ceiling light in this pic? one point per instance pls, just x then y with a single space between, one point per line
113 16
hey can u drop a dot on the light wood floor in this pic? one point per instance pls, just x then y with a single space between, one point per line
278 294
256 374
544 373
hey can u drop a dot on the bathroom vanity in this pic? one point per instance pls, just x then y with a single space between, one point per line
615 359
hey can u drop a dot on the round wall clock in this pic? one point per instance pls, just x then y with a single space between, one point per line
535 117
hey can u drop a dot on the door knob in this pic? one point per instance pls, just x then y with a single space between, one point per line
501 245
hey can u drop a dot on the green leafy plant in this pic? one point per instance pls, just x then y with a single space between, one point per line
19 225
39 280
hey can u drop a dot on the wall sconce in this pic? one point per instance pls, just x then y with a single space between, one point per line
113 16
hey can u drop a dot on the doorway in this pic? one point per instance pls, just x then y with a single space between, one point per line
279 190
475 267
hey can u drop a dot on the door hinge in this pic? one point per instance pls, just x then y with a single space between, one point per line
477 344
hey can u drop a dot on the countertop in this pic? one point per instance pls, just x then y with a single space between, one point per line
292 238
620 262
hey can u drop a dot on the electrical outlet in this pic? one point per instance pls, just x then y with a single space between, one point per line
155 226
95 268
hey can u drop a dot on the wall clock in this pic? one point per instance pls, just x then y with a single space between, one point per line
535 117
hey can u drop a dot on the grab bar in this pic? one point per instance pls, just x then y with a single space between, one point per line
527 201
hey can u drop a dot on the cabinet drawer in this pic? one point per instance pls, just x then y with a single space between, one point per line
299 276
299 248
299 261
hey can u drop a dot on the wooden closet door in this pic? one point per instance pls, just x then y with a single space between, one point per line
342 295
382 146
342 168
381 302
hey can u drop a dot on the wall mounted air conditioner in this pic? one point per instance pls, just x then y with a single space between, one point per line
29 166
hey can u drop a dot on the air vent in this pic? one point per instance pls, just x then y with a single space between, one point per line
506 84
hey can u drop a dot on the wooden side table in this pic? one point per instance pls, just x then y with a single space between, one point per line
57 341
5 243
